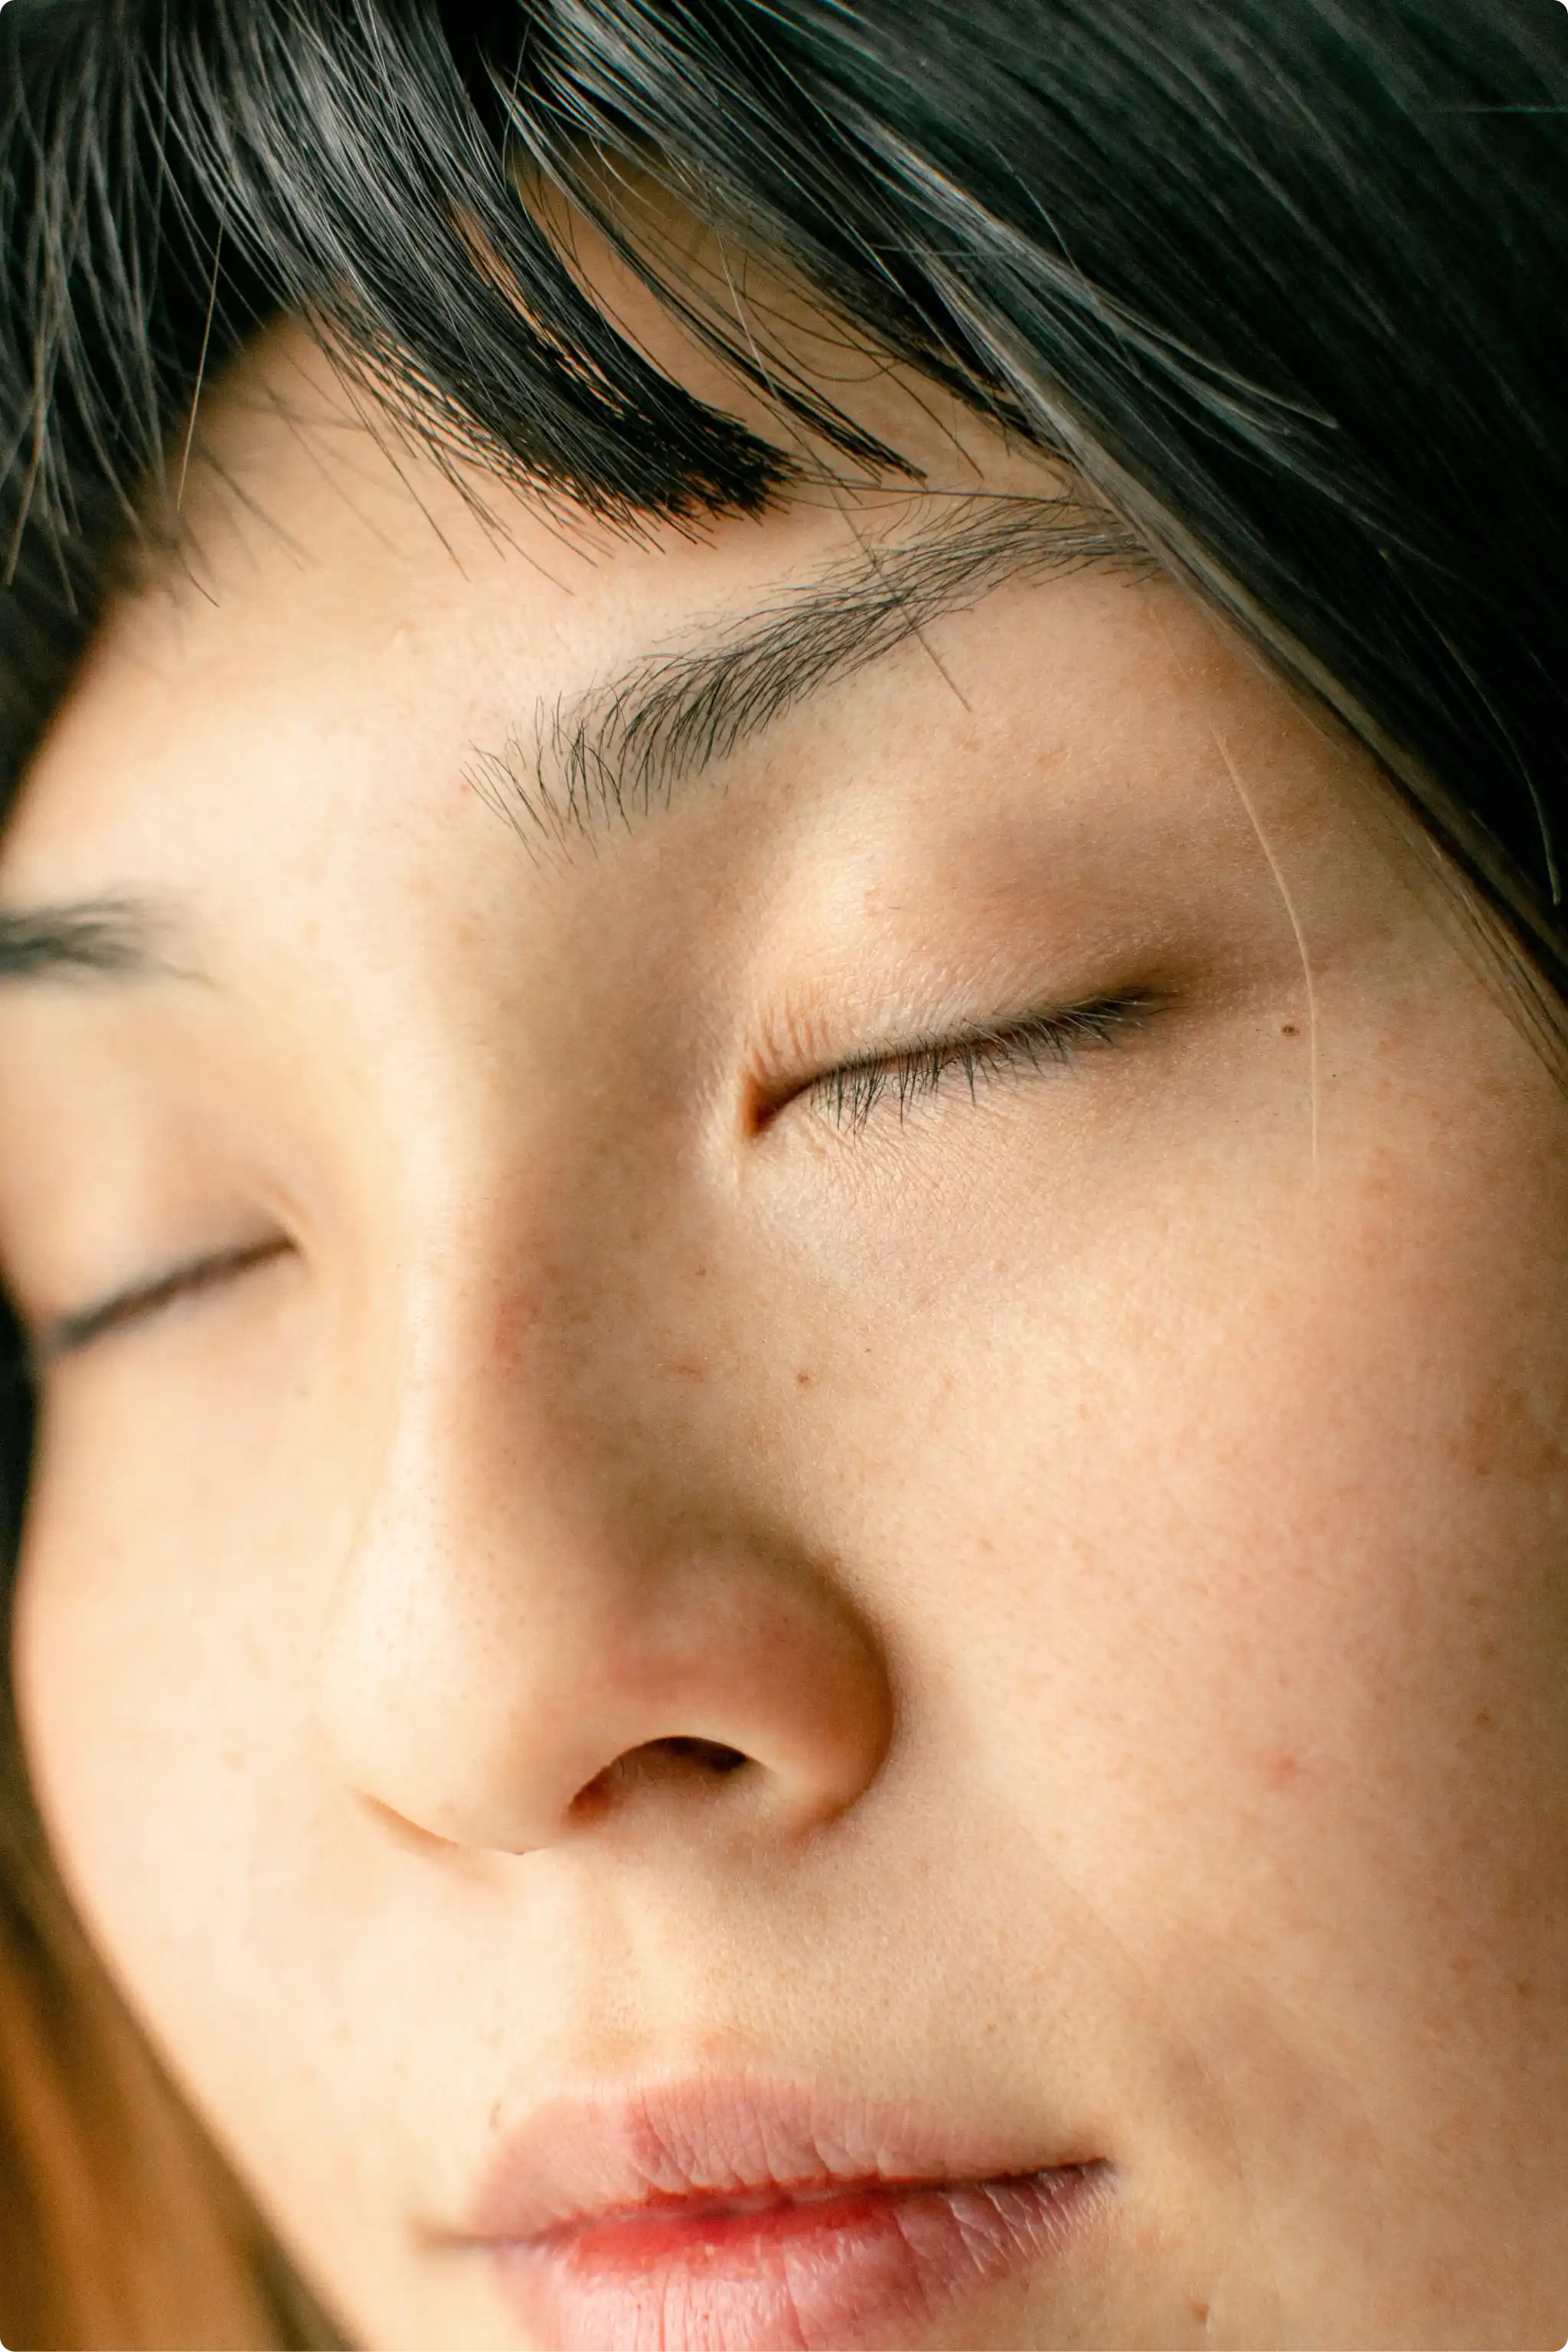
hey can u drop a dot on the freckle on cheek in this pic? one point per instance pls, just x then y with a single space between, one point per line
1500 1436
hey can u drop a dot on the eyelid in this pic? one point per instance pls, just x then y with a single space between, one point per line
917 1066
71 1333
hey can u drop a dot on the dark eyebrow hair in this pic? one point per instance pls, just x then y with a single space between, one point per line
613 754
622 748
91 939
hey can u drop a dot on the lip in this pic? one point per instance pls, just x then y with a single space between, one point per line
736 2216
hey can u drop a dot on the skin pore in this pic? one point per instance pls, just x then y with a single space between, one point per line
1105 1476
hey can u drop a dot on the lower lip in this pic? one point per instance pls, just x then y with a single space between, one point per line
831 2274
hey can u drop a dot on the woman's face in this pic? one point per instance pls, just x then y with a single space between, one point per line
714 1584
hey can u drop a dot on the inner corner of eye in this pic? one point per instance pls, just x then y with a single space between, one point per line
783 1063
763 1097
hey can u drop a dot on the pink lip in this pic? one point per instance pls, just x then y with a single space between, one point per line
736 2216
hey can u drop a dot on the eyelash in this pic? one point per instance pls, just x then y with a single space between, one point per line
75 1332
851 1093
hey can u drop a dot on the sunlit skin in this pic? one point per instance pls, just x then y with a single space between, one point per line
1118 1506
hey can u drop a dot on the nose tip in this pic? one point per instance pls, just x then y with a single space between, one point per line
696 1725
713 1700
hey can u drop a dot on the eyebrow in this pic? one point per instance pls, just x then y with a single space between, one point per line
87 939
595 762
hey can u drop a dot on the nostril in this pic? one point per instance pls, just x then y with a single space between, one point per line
711 1754
657 1762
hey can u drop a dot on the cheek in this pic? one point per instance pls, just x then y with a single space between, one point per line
1232 1548
166 1609
1216 1541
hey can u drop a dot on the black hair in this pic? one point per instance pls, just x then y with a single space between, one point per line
1282 279
1284 282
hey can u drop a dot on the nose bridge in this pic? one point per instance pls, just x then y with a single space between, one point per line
545 1347
557 1618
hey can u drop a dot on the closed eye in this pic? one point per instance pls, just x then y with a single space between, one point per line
142 1300
854 1092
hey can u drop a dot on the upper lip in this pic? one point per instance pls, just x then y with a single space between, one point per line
707 2141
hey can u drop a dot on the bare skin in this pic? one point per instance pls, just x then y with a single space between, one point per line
1113 1496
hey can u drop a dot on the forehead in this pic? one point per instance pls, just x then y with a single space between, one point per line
301 486
341 596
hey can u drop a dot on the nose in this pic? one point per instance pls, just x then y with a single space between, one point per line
529 1643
